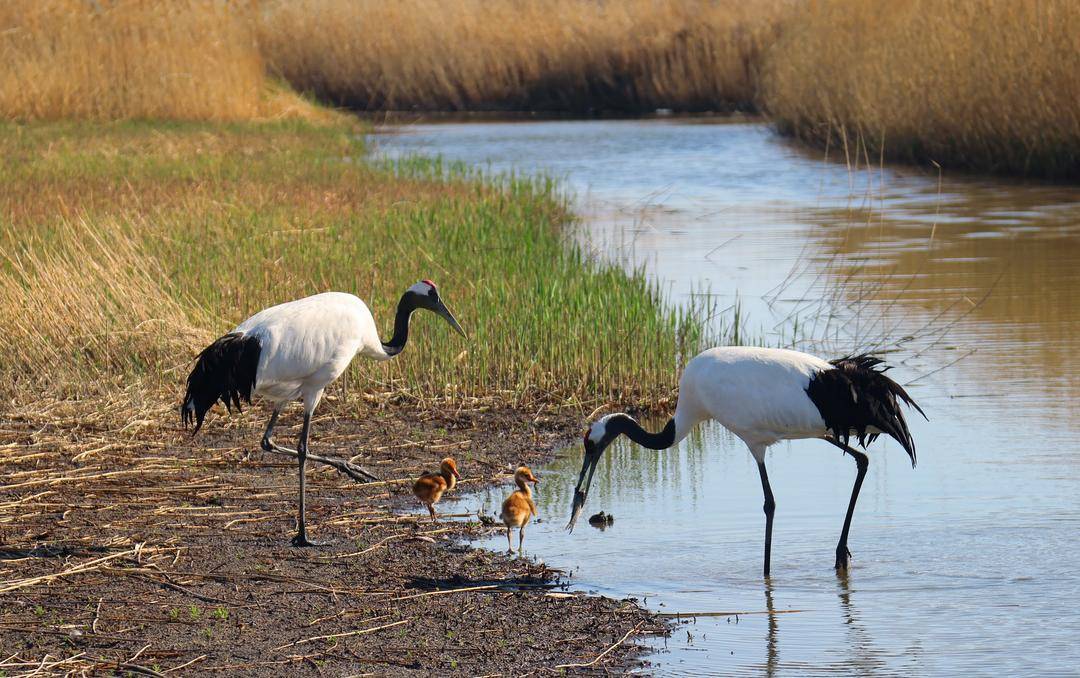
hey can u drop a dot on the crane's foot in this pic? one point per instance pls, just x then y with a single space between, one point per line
842 556
302 540
267 444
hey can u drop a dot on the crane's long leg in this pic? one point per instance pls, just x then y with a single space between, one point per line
521 537
301 454
770 509
355 472
862 462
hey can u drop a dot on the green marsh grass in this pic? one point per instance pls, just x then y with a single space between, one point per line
143 241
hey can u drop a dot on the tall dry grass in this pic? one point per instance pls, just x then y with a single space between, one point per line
110 59
558 55
207 59
123 59
983 84
93 298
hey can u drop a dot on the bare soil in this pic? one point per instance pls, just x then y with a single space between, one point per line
141 549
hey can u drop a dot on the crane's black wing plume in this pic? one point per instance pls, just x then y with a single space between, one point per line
857 396
224 371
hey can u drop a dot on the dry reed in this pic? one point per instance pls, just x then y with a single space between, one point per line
204 59
980 84
122 59
558 55
127 59
91 297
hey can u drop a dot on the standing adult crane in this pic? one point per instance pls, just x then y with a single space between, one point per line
292 351
764 395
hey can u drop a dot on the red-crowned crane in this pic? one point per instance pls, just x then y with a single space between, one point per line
764 395
292 351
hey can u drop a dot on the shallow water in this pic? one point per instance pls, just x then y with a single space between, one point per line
965 565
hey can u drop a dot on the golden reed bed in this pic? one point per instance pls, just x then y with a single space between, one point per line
133 59
986 84
983 84
208 59
562 55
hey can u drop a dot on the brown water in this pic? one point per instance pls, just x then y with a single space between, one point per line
966 565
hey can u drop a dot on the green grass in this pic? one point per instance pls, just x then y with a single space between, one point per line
126 247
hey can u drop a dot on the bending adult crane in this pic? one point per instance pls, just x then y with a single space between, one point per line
764 395
293 351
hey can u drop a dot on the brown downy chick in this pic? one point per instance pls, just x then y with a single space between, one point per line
429 487
519 507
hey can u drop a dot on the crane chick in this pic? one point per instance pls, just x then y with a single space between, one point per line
519 507
429 487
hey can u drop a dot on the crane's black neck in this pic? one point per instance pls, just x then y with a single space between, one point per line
405 307
654 441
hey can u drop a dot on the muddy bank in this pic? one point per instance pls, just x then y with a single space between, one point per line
150 550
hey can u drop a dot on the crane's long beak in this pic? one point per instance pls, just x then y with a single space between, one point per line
581 491
445 313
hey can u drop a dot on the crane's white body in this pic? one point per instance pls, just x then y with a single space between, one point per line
759 394
308 343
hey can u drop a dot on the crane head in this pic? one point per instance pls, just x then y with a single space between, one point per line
596 440
425 295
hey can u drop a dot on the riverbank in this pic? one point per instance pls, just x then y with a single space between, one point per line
145 548
144 241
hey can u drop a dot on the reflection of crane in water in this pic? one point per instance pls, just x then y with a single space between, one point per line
772 653
764 395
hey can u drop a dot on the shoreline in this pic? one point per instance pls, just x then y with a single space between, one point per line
125 542
389 119
194 570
